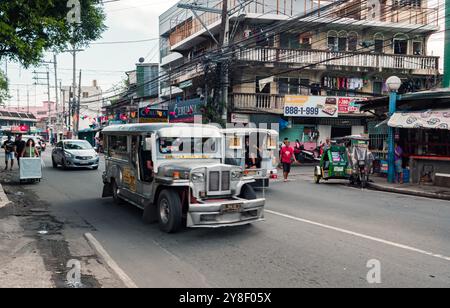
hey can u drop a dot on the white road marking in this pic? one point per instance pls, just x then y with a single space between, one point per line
109 261
360 235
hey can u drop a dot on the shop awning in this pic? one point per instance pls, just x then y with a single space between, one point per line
431 119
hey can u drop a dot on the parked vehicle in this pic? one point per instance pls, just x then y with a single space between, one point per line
75 154
360 158
174 172
333 165
255 150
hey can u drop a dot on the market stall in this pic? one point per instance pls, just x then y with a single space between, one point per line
425 139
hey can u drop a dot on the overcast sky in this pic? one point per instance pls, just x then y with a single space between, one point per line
126 20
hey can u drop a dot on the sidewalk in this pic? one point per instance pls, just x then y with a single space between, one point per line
427 191
37 250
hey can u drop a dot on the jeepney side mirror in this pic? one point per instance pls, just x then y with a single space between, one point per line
148 144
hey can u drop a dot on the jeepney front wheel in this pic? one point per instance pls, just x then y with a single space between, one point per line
170 215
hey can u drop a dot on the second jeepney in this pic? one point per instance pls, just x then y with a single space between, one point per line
175 173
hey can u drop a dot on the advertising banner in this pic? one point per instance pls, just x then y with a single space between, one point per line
185 111
320 106
147 115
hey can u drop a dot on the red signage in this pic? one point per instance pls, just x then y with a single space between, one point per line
20 129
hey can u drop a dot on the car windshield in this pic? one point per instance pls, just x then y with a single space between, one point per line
77 145
188 146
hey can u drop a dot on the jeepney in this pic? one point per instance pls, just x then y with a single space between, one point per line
255 150
175 173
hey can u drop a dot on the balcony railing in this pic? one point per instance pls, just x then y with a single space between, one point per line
350 59
263 102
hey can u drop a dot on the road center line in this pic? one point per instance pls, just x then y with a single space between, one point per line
360 235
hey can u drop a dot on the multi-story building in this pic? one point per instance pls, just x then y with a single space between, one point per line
302 52
90 105
17 122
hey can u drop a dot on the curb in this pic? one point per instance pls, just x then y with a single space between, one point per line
101 252
410 192
3 198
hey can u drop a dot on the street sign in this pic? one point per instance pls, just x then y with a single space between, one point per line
186 84
240 118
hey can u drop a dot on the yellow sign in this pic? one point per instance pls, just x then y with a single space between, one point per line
129 179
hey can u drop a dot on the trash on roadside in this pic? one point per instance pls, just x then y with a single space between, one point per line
19 193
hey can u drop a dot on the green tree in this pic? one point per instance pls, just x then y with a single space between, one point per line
29 28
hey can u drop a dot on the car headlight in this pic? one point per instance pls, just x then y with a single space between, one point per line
67 154
198 177
236 175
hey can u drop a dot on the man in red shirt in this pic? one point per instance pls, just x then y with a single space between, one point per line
287 155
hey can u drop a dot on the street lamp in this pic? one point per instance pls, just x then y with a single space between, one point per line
393 83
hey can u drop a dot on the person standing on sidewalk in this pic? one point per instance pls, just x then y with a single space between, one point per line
287 156
19 145
8 145
398 163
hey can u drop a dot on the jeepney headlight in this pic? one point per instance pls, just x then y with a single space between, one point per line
198 177
236 175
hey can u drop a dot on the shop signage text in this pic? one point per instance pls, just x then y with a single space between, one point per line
320 106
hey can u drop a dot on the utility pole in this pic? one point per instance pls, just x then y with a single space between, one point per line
77 111
38 81
224 41
28 100
446 82
58 114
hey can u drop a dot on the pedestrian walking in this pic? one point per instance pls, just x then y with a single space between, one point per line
30 149
287 156
8 145
398 163
19 145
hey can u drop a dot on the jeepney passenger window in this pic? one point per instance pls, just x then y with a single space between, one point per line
118 147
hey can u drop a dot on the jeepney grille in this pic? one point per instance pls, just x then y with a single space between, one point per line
214 181
226 180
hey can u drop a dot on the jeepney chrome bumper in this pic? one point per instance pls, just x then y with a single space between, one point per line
212 215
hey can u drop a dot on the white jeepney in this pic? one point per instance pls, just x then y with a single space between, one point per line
175 173
255 150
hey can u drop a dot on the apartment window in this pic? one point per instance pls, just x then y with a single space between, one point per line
408 3
379 46
377 87
342 41
400 46
304 87
417 48
85 94
353 41
332 41
305 42
289 40
288 86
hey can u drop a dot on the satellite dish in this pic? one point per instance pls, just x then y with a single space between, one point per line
141 60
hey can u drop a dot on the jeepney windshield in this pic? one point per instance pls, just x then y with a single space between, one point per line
189 148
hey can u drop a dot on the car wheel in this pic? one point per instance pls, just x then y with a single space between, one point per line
54 164
95 168
169 211
248 193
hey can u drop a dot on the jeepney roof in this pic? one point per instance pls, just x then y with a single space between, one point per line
246 131
167 129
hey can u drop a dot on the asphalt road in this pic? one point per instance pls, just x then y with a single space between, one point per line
314 236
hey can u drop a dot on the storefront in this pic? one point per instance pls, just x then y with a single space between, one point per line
425 140
422 129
